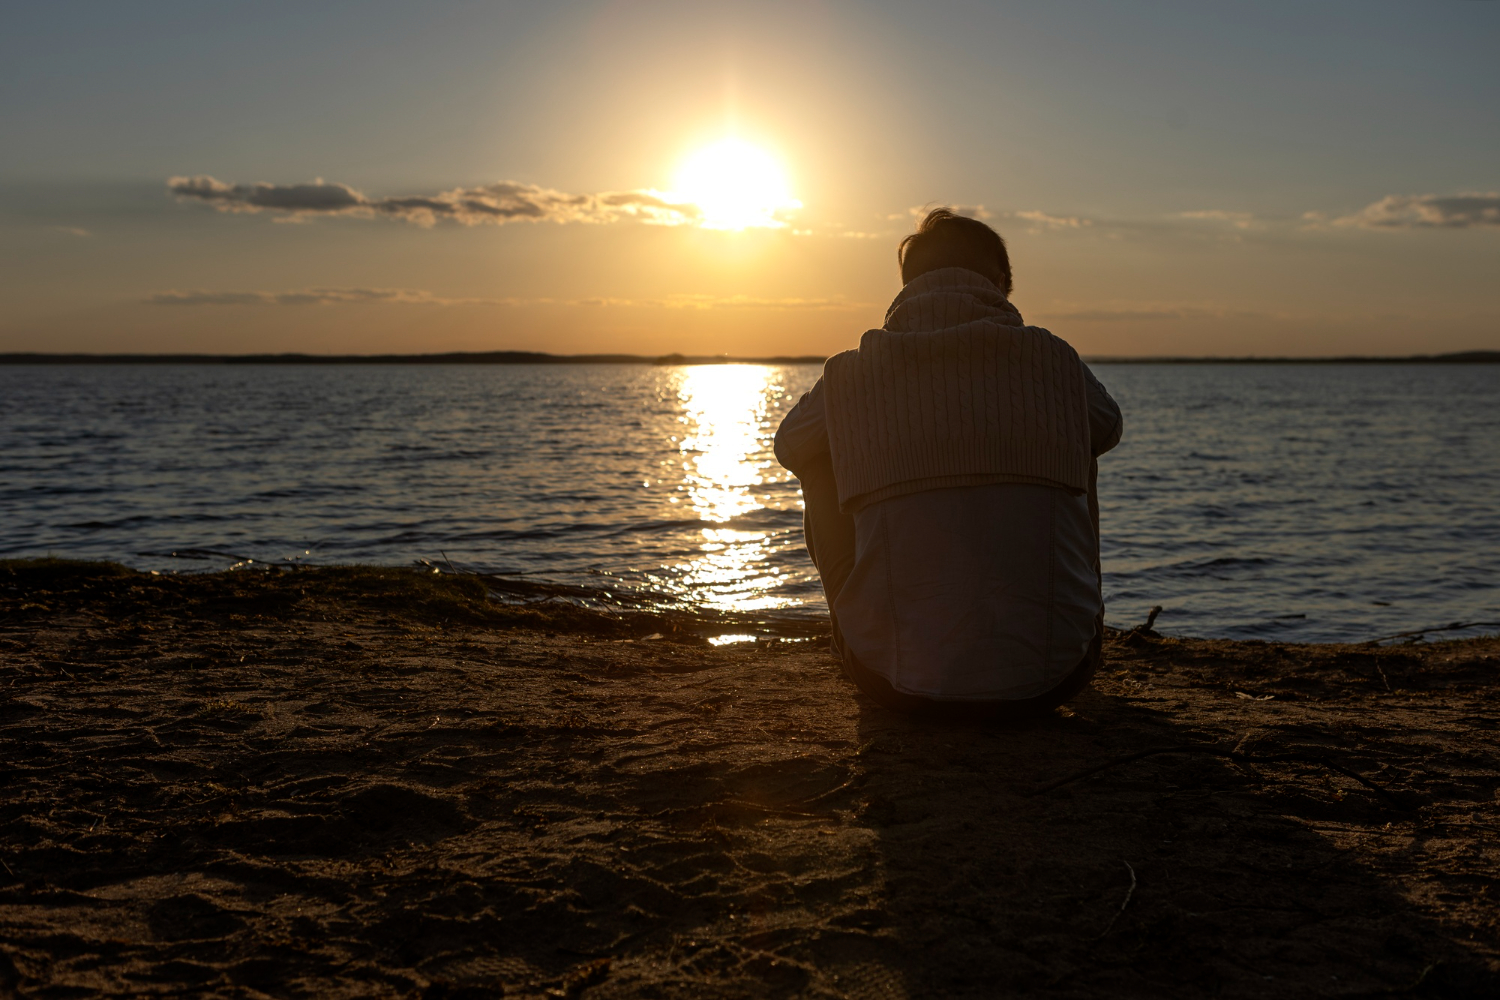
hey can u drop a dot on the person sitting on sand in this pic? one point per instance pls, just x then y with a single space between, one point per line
948 469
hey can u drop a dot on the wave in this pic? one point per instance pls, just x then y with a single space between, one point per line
767 518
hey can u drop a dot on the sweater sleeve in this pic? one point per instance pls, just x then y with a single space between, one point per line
1106 423
802 438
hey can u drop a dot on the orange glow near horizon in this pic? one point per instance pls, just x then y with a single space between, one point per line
736 185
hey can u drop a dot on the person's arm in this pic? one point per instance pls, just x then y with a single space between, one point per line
802 438
1106 423
802 447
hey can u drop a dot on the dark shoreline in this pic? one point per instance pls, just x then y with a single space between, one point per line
450 358
538 358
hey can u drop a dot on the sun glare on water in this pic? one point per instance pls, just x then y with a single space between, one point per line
726 458
736 186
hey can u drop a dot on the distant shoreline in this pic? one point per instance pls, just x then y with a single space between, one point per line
538 358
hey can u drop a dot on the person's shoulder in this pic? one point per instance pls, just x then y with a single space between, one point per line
844 361
1052 340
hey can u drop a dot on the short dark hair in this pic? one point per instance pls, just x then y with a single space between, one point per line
947 239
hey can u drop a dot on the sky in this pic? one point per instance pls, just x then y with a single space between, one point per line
1172 178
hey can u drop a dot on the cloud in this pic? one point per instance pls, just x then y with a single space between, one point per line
1240 220
1041 220
316 297
1427 211
1424 211
1036 221
754 302
919 212
412 296
73 230
1152 313
1117 315
694 301
493 204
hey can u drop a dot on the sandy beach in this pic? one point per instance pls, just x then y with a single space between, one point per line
363 782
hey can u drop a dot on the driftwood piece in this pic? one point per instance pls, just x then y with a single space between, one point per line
1129 895
1454 626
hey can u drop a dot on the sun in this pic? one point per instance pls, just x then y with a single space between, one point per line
735 185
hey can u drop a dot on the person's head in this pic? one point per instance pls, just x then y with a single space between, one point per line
945 239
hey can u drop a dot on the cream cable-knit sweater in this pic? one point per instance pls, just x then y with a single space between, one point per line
955 390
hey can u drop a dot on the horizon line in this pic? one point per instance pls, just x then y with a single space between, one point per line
540 357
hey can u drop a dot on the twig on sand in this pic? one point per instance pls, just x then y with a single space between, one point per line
1129 895
7 868
1436 628
743 804
1228 755
1400 991
1150 619
812 800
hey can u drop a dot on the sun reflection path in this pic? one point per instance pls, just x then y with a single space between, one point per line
723 451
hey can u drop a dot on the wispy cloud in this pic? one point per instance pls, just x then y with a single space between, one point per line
1041 220
1239 220
492 204
412 296
316 297
73 230
1115 315
752 302
919 212
1423 211
700 301
1145 312
1426 211
1037 221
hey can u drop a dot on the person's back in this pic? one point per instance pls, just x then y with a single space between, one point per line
947 468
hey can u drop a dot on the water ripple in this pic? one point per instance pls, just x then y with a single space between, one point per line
1359 496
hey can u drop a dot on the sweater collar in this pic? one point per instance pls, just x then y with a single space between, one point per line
980 294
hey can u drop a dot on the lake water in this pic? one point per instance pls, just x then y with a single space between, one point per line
1317 502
